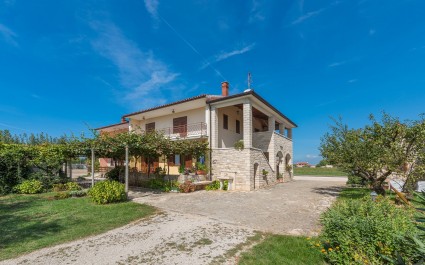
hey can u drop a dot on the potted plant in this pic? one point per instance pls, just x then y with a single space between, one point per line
239 145
201 169
280 177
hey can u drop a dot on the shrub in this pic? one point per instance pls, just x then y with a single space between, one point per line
59 187
77 193
187 187
361 231
72 186
355 180
62 195
215 185
30 187
107 192
115 173
239 145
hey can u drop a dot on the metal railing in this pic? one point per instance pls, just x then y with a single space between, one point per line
193 130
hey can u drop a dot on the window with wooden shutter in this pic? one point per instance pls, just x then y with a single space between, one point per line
180 126
149 127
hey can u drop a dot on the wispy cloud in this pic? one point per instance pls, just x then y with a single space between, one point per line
35 96
141 74
225 55
311 156
307 16
11 126
8 35
152 7
352 81
336 64
256 14
372 32
311 14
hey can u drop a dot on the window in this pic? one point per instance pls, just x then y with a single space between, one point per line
177 159
150 127
225 122
238 126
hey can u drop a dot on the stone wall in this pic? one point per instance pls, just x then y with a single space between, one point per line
283 145
257 157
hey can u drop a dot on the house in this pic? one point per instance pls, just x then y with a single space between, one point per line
222 120
302 164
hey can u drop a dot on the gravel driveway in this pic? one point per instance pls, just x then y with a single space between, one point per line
201 227
286 208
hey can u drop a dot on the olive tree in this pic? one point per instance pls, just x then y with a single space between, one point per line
378 150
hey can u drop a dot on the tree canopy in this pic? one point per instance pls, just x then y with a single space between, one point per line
376 151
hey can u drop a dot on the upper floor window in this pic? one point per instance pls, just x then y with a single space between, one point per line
238 126
225 122
150 127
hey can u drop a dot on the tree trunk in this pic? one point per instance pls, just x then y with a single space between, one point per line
149 166
378 188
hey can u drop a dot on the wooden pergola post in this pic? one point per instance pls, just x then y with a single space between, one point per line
126 169
92 167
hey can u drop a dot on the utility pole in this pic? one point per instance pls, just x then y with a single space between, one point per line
126 169
249 80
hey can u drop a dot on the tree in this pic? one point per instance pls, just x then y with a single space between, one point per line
378 150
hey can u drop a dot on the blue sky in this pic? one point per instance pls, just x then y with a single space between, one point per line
66 65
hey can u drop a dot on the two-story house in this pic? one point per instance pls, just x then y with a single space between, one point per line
223 120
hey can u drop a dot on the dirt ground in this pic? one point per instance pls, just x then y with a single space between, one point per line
201 227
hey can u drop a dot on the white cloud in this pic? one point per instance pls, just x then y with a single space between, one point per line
225 55
152 7
8 35
311 156
140 73
256 13
307 16
335 64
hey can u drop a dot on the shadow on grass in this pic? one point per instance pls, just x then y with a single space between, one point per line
333 191
18 224
354 193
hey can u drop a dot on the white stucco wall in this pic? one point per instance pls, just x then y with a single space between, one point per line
193 116
227 138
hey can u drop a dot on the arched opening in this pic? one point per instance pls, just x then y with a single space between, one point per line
288 165
256 186
279 160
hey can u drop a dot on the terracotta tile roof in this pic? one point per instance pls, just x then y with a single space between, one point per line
112 125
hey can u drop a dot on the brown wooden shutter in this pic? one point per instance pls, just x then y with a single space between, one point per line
180 126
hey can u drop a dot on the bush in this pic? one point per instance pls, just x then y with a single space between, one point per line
30 187
215 185
107 192
78 193
72 186
62 195
187 187
115 173
355 180
361 231
69 186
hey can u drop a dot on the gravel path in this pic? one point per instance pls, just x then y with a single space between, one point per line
200 227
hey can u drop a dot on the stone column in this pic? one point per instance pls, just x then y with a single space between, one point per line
289 133
214 128
272 122
247 124
281 129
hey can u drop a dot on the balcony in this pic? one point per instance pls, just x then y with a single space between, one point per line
186 131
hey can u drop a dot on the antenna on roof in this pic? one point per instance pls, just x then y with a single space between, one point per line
249 80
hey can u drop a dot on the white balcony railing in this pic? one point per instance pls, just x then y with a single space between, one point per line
194 130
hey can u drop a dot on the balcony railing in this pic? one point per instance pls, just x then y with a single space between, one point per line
194 130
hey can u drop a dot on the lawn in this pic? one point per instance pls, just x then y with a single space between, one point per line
31 222
318 171
280 249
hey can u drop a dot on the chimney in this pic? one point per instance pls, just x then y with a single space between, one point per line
123 120
225 88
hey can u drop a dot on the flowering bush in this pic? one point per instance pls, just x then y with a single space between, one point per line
361 231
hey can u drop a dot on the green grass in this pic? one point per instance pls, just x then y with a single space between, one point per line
318 171
353 193
279 249
31 222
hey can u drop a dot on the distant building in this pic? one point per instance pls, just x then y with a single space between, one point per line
302 164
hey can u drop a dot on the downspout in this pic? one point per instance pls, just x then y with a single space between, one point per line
209 109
